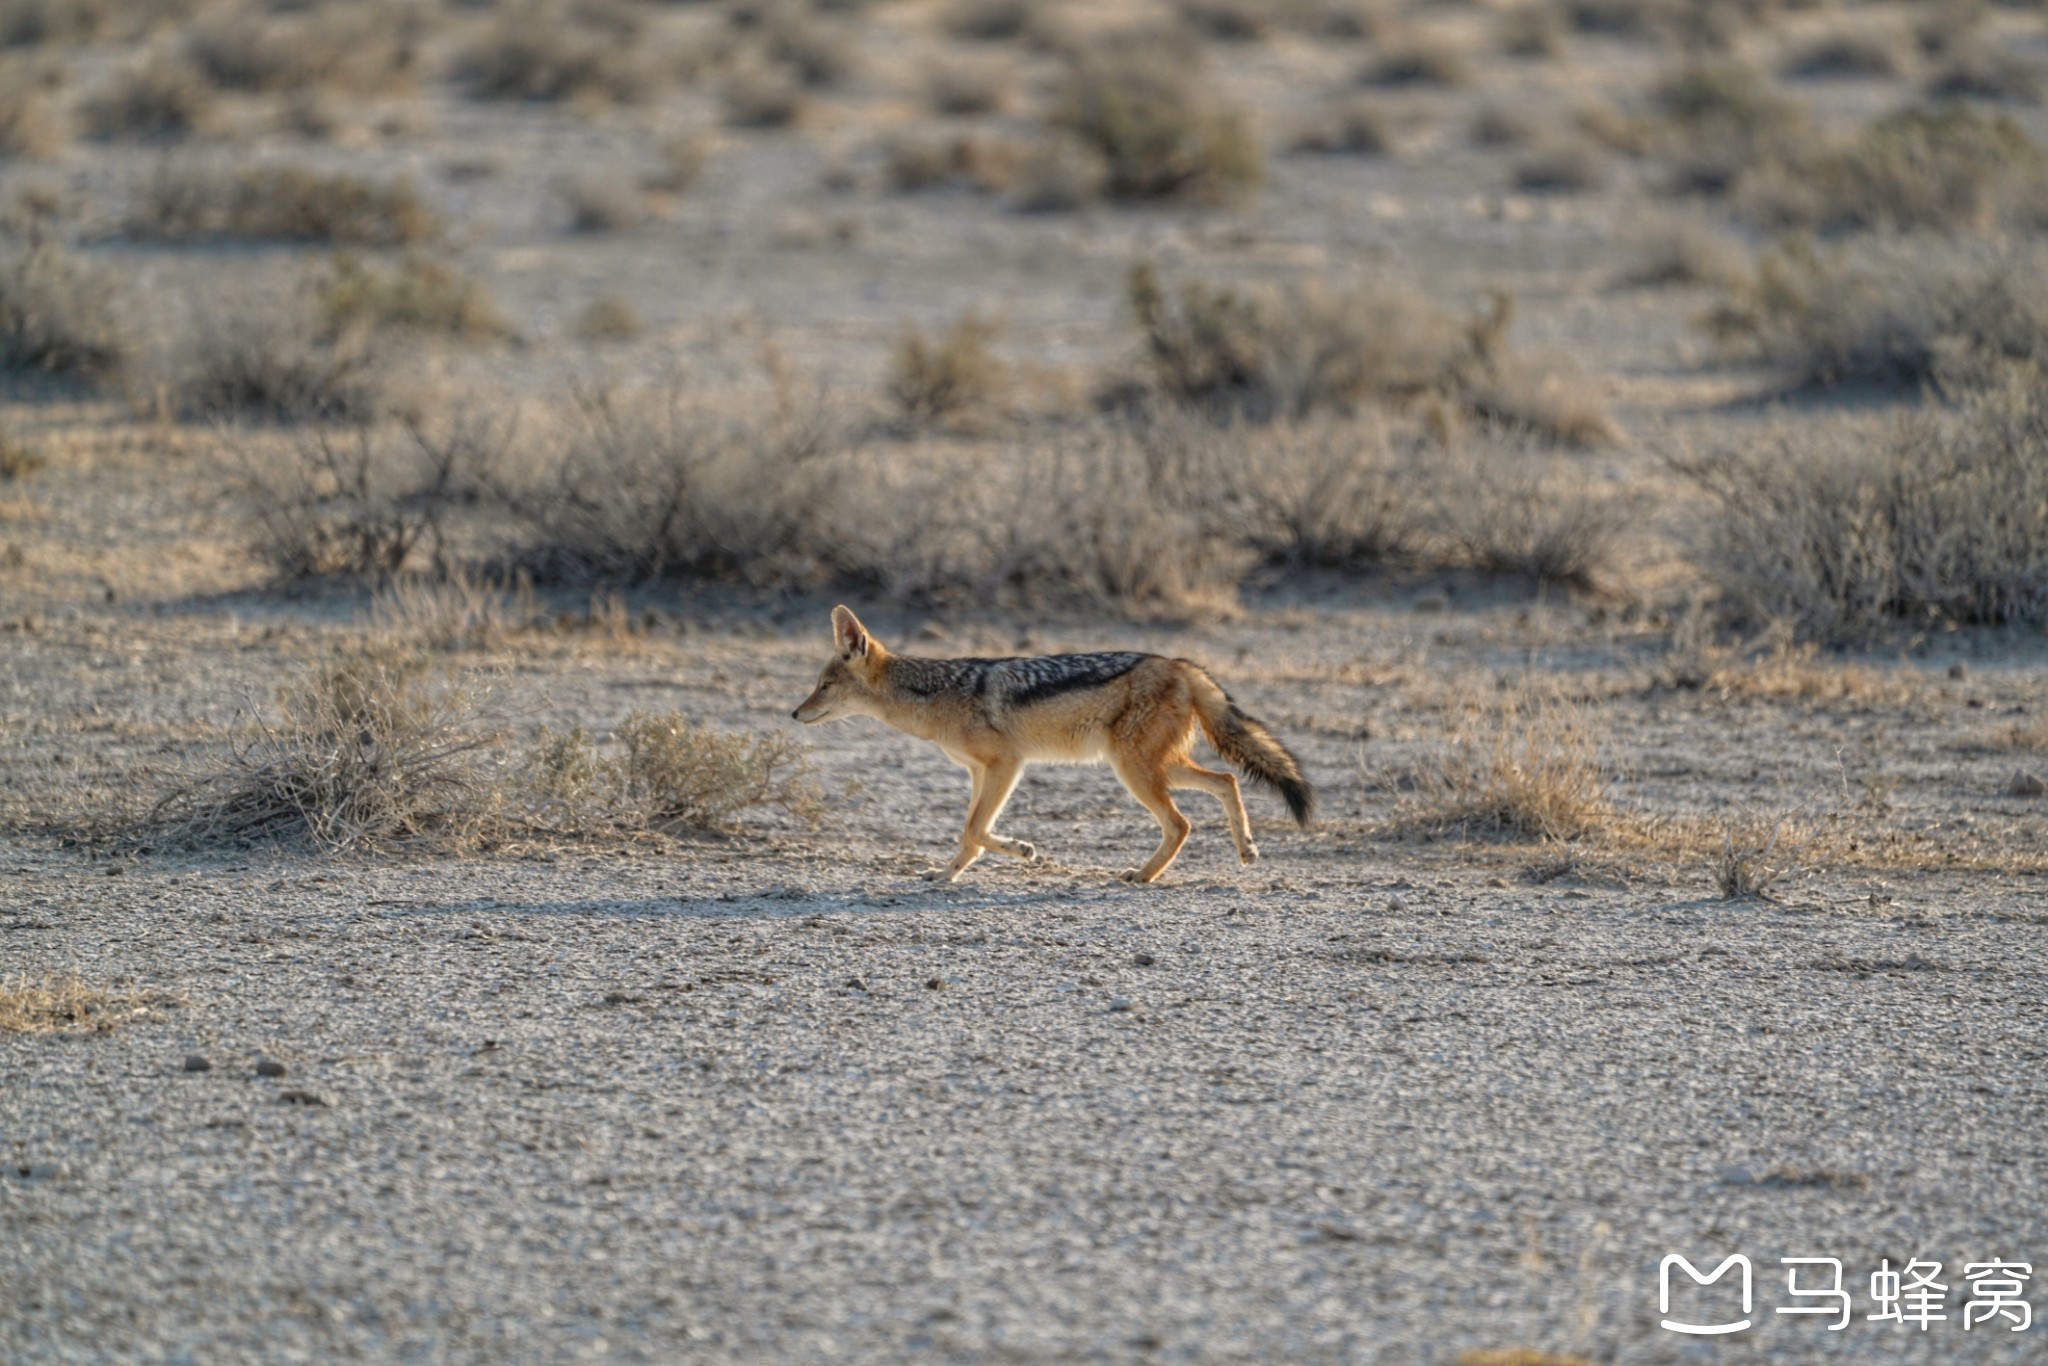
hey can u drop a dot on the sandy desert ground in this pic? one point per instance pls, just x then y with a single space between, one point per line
1629 926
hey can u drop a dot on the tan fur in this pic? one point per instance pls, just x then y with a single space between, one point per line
1143 723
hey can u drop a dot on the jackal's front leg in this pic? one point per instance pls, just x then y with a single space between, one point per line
993 785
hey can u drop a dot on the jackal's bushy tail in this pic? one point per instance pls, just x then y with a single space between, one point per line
1247 746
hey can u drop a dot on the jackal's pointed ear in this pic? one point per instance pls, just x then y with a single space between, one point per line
848 634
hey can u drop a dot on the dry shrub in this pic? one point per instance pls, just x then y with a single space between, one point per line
1850 50
1158 123
367 503
1531 29
991 21
267 362
1899 312
1720 119
1978 70
1944 168
2026 735
18 459
280 204
160 99
682 161
1354 126
57 316
1052 174
68 1005
545 52
962 86
360 48
602 201
957 376
817 52
763 95
1525 768
418 295
664 773
1327 494
1561 165
369 750
1418 59
1229 21
1682 250
1942 525
1310 348
29 124
609 318
1502 509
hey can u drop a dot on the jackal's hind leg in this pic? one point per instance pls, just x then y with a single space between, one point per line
1149 785
1223 787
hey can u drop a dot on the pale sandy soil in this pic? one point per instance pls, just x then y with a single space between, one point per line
765 1094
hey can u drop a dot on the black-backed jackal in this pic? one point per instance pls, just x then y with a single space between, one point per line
1139 712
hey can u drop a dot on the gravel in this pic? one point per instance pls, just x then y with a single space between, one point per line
1333 1107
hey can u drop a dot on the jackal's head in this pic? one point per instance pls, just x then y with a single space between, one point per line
847 686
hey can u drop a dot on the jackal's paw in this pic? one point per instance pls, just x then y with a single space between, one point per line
941 875
1132 875
1026 850
1248 855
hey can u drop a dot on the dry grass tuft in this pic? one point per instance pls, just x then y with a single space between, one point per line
57 317
1525 769
29 123
957 376
1682 250
763 95
67 1005
459 610
1519 1356
964 86
602 201
1418 60
367 751
1161 129
663 773
1531 29
280 204
1750 861
363 48
267 362
18 459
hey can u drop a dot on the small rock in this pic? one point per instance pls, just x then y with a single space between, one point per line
1959 670
934 983
1396 904
1738 1175
269 1067
1119 1005
306 1098
196 1063
1143 960
855 983
1335 1232
2025 784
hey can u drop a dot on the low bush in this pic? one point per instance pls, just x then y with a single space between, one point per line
1418 60
1945 168
280 204
161 98
1944 524
1982 72
763 95
1355 127
369 504
18 459
954 377
29 123
665 773
1561 165
369 750
1160 128
1272 354
57 317
541 52
418 295
609 318
360 48
1898 312
1719 120
1851 51
962 86
1682 250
